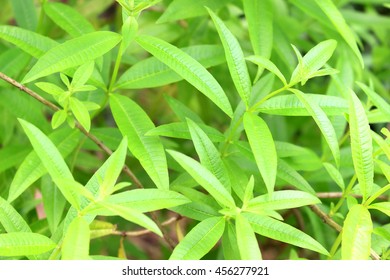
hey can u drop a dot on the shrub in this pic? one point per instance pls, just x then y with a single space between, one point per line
241 130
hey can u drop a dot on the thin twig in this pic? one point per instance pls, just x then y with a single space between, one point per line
98 142
329 221
340 194
138 233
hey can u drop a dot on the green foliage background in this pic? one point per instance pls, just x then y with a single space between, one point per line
241 129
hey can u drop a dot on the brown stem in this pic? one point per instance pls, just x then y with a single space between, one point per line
329 221
96 140
340 194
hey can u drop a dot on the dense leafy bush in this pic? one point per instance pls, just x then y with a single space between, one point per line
241 129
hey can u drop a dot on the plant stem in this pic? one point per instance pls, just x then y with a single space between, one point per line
346 192
116 69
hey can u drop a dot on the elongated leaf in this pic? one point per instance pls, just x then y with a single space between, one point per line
361 145
356 234
246 240
291 176
132 215
282 200
28 41
200 240
180 130
382 143
263 147
205 178
378 101
196 210
208 154
10 219
114 169
76 241
68 19
381 206
73 53
151 72
100 229
335 174
323 123
312 61
283 232
24 244
147 200
229 243
334 15
187 67
267 64
182 111
80 112
183 9
47 152
25 13
259 15
53 203
32 167
290 105
133 122
235 59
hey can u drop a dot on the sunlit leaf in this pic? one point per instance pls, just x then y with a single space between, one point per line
24 244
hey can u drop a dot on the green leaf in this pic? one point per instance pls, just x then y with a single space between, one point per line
235 59
82 74
129 32
80 112
200 240
378 101
180 130
334 15
133 122
73 53
312 61
335 174
361 145
292 177
204 178
248 195
58 118
24 244
25 13
267 64
53 203
259 15
101 228
229 243
132 215
114 169
277 230
147 200
183 9
246 240
356 234
323 123
47 152
282 200
263 147
73 192
181 110
30 42
187 67
208 154
381 206
68 19
76 241
151 72
32 168
10 219
382 143
291 105
50 88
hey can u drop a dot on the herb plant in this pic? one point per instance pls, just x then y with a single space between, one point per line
176 129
